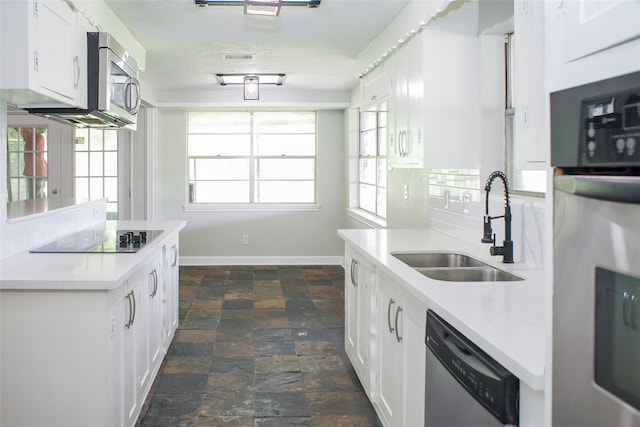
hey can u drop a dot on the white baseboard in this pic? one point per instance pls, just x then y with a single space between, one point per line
261 260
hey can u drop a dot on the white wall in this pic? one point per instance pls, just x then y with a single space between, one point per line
274 237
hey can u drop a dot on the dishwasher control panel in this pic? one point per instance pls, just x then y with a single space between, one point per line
493 386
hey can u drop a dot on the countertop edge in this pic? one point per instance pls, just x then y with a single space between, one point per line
105 279
531 372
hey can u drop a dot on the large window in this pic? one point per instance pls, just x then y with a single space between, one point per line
96 167
372 162
252 157
27 162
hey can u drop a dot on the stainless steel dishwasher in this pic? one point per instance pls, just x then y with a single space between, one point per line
465 386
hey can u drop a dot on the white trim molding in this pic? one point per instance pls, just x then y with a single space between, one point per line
251 207
261 260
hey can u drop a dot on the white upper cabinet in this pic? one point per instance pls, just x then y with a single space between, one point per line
592 26
399 150
375 87
531 146
43 54
434 104
451 113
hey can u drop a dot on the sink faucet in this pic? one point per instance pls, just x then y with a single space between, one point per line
506 250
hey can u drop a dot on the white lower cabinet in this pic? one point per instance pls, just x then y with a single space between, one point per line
86 357
136 342
400 356
359 286
170 283
384 340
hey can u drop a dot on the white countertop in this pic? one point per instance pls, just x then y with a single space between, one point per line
505 319
82 271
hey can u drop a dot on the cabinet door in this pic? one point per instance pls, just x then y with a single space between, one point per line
452 136
375 87
360 281
170 283
55 61
366 283
351 306
389 370
413 333
529 144
593 26
399 111
154 293
118 317
43 54
128 307
137 362
415 93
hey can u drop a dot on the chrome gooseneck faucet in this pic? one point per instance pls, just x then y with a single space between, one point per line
506 250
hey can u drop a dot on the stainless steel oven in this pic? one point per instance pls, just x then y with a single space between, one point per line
595 130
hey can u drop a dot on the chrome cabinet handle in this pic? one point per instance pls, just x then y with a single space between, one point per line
398 337
401 136
131 297
391 302
154 275
174 248
354 271
76 62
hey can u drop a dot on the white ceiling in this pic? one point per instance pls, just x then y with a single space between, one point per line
315 47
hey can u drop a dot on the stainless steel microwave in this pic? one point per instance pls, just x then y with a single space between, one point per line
113 90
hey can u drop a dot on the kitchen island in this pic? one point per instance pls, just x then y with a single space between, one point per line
503 318
83 335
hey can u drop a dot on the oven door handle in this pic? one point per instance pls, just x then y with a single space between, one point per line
622 189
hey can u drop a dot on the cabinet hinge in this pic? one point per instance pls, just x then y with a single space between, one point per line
36 61
35 8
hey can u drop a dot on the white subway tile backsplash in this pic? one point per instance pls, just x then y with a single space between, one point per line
528 214
23 234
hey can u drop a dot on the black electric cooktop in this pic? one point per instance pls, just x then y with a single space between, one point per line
101 241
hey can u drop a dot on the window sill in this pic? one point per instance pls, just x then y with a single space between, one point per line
367 218
251 207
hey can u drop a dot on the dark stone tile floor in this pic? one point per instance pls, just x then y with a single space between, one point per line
259 346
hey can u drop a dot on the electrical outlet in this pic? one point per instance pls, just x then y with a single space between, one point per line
466 202
245 239
405 192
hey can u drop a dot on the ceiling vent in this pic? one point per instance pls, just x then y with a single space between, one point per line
239 56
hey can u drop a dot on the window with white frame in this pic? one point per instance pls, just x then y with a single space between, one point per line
96 166
259 157
372 162
27 162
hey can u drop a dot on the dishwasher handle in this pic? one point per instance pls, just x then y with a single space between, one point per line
469 358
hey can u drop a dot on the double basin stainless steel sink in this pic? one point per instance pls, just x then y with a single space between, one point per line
453 267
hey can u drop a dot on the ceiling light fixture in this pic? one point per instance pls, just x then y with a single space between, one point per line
251 88
254 6
262 7
225 79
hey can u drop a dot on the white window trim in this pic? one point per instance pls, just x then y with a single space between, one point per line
251 207
254 206
367 218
